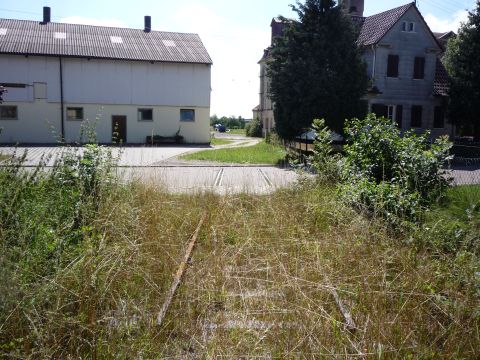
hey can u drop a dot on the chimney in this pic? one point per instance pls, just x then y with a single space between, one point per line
46 15
148 24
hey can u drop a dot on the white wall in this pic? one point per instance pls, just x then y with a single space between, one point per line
141 83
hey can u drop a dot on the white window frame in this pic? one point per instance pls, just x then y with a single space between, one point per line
392 112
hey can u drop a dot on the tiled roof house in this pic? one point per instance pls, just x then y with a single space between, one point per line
409 82
127 83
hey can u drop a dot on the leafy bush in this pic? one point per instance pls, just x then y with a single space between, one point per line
386 173
324 159
254 129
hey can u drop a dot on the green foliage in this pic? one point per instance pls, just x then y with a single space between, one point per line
453 226
324 159
231 122
47 223
316 69
461 61
386 173
254 128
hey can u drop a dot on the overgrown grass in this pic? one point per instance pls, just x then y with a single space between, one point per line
460 203
261 153
85 276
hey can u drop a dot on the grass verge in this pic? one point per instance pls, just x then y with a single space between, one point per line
261 153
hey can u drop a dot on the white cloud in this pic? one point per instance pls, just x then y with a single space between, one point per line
92 21
443 25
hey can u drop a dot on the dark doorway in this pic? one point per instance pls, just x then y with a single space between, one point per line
119 129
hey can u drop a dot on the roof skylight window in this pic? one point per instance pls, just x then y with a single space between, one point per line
60 35
116 39
3 31
169 43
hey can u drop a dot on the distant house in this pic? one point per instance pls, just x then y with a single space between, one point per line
129 83
408 81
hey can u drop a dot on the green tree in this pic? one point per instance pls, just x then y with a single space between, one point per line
461 61
316 70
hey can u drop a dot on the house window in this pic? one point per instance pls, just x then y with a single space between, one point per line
416 119
392 66
408 26
399 116
439 118
391 112
8 113
74 113
419 68
187 115
145 114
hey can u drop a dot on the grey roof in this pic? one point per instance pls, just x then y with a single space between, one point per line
375 27
70 40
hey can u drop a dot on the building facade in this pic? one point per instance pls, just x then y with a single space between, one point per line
408 81
65 80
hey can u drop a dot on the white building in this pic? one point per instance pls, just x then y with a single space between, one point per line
136 83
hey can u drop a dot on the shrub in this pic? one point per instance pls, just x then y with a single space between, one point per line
324 159
254 129
386 173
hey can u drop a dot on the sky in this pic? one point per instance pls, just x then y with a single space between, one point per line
234 32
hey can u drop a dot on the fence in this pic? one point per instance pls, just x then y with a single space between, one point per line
465 167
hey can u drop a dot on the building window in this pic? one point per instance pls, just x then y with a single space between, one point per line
74 113
399 116
439 118
145 114
391 112
392 66
8 113
187 115
419 68
408 26
379 110
416 119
